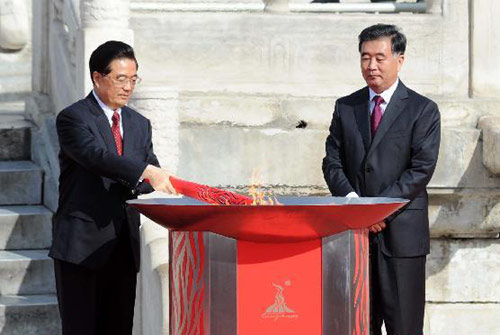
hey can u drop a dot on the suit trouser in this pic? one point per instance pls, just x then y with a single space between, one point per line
98 301
397 292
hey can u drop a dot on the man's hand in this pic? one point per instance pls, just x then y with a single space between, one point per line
159 179
377 227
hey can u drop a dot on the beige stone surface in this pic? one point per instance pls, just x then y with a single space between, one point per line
464 214
490 125
228 108
109 13
257 109
463 271
463 319
160 107
15 48
485 35
223 155
310 54
14 24
460 161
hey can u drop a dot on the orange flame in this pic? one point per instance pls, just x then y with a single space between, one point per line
258 194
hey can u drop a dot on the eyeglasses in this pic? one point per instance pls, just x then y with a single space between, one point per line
122 81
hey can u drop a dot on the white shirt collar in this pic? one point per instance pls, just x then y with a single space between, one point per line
108 110
387 94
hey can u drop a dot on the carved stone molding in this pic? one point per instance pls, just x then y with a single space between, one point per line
110 13
276 5
14 24
490 125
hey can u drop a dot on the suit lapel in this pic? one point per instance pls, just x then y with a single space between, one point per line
392 111
102 123
362 115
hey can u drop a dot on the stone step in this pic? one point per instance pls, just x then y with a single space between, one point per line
15 132
11 110
29 315
25 227
26 272
21 183
463 318
462 271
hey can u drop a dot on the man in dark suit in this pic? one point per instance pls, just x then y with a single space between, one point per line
106 152
384 142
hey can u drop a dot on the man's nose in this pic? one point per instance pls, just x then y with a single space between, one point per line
372 64
128 86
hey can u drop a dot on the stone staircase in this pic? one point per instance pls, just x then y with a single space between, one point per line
28 303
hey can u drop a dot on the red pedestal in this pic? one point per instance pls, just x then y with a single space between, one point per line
299 268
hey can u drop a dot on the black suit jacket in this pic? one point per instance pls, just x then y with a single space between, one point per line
398 162
95 182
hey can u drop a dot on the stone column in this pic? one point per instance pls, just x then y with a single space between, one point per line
485 48
160 106
101 21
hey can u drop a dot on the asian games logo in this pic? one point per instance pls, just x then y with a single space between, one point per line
279 309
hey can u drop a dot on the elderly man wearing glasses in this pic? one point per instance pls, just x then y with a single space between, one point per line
105 154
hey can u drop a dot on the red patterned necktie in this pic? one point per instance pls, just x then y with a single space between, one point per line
376 114
115 129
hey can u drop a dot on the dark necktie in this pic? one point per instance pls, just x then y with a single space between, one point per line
376 114
115 129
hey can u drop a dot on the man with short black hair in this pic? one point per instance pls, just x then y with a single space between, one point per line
384 142
105 154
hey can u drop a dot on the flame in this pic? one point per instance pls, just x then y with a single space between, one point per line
260 196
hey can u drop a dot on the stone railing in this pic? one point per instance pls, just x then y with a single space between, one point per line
359 7
298 6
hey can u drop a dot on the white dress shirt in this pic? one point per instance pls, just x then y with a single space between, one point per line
386 95
109 112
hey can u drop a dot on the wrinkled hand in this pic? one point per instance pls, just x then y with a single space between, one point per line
377 227
159 179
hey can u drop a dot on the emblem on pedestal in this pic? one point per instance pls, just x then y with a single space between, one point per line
279 309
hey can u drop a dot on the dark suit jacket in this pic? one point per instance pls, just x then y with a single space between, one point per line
95 182
398 162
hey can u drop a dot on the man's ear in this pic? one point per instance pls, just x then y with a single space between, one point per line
96 76
401 59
